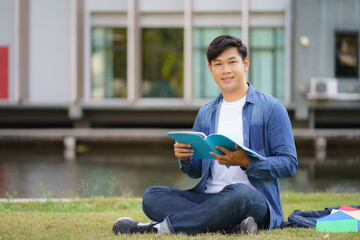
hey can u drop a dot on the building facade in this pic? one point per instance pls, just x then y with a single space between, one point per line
326 47
125 63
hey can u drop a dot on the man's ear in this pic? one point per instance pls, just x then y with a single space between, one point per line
209 66
246 64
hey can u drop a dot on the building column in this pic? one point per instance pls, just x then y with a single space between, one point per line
288 62
134 67
17 52
245 27
87 54
245 22
73 52
188 91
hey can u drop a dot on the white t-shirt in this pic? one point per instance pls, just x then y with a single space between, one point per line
231 125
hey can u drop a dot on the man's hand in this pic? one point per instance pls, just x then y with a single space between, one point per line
235 158
183 151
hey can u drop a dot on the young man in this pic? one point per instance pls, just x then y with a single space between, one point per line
245 196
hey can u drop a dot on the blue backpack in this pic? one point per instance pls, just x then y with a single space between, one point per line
307 219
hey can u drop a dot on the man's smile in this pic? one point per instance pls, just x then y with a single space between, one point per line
227 79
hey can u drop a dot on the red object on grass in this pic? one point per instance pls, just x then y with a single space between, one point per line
347 208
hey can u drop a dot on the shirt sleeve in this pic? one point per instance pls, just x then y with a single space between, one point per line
282 160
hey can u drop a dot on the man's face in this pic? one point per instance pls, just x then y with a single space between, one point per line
228 70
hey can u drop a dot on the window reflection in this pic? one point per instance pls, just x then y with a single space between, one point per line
162 62
267 60
346 55
108 63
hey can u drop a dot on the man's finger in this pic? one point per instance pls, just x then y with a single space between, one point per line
224 150
184 150
222 160
215 155
219 156
182 145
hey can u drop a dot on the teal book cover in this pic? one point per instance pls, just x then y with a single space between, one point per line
202 144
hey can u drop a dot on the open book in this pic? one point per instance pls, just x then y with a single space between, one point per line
203 144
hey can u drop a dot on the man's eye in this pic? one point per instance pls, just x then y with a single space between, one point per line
217 64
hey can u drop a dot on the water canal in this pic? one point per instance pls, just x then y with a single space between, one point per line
112 171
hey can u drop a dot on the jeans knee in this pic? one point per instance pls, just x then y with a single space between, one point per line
240 192
153 194
150 194
148 200
244 196
151 202
238 188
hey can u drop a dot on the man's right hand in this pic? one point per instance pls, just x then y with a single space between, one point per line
183 151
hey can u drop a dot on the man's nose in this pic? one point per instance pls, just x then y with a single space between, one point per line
226 68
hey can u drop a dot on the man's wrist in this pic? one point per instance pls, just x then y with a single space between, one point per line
184 161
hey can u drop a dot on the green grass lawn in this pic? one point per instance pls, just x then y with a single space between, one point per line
93 219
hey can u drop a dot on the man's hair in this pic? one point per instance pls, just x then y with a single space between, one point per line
223 42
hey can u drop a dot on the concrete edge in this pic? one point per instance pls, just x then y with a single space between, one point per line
28 200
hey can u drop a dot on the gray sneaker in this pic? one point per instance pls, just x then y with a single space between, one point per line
248 226
125 225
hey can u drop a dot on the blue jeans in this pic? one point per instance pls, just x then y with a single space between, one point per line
192 212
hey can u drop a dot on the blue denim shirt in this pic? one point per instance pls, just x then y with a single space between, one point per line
267 130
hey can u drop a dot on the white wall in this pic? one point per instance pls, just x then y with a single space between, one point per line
268 6
161 6
216 6
7 38
50 51
105 6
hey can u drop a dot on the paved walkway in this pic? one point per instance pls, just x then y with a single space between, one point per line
27 200
330 134
84 134
69 137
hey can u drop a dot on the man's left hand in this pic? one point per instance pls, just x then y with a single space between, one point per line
235 158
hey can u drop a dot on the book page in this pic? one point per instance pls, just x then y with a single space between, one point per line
189 132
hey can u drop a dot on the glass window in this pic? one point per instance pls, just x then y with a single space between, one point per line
203 83
346 55
108 63
267 60
162 62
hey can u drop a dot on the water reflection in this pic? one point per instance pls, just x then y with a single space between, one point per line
34 174
48 175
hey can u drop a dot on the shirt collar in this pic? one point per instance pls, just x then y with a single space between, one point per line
250 98
251 94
